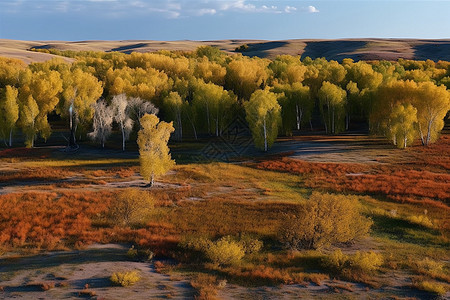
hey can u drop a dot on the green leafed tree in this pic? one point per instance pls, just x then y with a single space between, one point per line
154 153
9 113
263 114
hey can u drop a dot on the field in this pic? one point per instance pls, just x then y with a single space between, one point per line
59 237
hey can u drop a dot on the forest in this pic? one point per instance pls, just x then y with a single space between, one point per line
203 90
336 211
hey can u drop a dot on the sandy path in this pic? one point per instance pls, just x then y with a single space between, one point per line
20 276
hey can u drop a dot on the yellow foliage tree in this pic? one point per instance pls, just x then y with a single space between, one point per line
154 153
9 112
263 114
402 129
326 220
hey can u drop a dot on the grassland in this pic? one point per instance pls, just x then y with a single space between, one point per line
53 201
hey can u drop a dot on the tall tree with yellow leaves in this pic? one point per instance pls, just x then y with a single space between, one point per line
263 114
9 113
154 154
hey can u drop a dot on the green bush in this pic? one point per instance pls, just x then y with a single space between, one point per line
348 265
249 244
225 252
336 261
125 278
131 206
366 262
325 220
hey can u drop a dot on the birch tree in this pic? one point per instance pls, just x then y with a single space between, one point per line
137 108
174 105
119 106
432 104
102 125
29 111
154 154
263 116
80 91
402 130
332 101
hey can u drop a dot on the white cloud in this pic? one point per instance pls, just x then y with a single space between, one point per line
312 9
289 9
168 8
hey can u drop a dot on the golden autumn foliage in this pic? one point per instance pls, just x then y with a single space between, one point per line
154 153
326 220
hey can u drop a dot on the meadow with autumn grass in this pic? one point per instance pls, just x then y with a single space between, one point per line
327 179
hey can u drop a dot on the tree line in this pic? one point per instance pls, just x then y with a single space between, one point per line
201 91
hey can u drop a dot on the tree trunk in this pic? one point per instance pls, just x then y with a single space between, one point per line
180 126
333 129
72 141
347 120
207 119
10 137
193 126
217 124
310 124
123 136
422 139
298 116
429 132
265 135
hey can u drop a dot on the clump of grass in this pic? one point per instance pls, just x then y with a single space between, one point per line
431 287
126 278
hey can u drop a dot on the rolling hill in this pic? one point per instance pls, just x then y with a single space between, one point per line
357 49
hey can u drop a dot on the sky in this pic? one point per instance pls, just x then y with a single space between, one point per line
77 20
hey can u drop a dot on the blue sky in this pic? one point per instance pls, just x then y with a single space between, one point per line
76 20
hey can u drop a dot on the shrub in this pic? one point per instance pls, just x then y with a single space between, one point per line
225 252
421 220
336 261
131 206
249 244
431 287
326 219
352 266
141 254
429 267
241 48
206 286
125 278
366 262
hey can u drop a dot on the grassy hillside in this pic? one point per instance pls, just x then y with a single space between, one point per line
357 49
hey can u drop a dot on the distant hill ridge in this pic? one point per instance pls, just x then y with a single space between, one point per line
357 49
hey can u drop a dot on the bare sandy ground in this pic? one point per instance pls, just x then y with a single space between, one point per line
71 272
357 49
